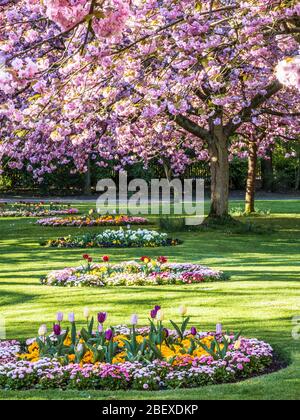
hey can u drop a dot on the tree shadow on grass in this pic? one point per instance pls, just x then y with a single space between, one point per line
15 298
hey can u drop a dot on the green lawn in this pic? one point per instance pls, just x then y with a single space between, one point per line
261 299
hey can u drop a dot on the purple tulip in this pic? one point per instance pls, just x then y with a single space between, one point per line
194 331
153 314
134 320
109 335
71 317
166 331
60 317
57 329
219 329
102 316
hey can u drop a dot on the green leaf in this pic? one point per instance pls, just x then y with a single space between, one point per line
99 14
155 350
178 330
184 325
84 334
73 333
91 326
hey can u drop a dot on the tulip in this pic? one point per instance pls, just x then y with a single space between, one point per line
71 317
85 256
162 260
60 317
109 335
57 329
134 320
160 315
166 332
153 314
105 258
102 316
157 308
100 328
43 330
194 331
183 310
80 348
86 313
219 329
237 345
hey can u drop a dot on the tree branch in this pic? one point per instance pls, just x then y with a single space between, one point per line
256 102
279 114
191 127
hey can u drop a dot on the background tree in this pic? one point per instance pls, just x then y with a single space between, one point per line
204 67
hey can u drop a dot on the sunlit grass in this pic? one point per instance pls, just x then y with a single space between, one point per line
261 298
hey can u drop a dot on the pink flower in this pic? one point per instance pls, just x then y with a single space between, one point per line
114 21
66 13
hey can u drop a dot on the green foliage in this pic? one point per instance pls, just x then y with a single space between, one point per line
239 211
172 224
219 348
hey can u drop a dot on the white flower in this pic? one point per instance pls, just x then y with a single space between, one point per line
43 330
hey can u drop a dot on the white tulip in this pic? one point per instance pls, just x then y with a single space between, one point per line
43 330
183 310
160 315
86 313
80 348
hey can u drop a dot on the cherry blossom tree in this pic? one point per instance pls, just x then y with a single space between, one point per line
260 137
127 75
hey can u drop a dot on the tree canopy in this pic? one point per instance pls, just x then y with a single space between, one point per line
143 78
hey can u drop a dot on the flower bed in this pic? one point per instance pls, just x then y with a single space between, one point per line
91 221
42 209
115 239
151 358
146 272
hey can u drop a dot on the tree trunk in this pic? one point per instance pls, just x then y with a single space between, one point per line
251 179
219 166
297 181
268 173
88 180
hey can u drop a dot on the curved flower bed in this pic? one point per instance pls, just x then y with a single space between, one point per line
91 221
146 272
151 358
28 209
115 239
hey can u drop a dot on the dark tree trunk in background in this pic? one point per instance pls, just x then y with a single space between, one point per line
268 173
88 180
219 166
297 182
251 179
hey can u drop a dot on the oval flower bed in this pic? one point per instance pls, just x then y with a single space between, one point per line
151 358
146 272
91 221
115 239
42 209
